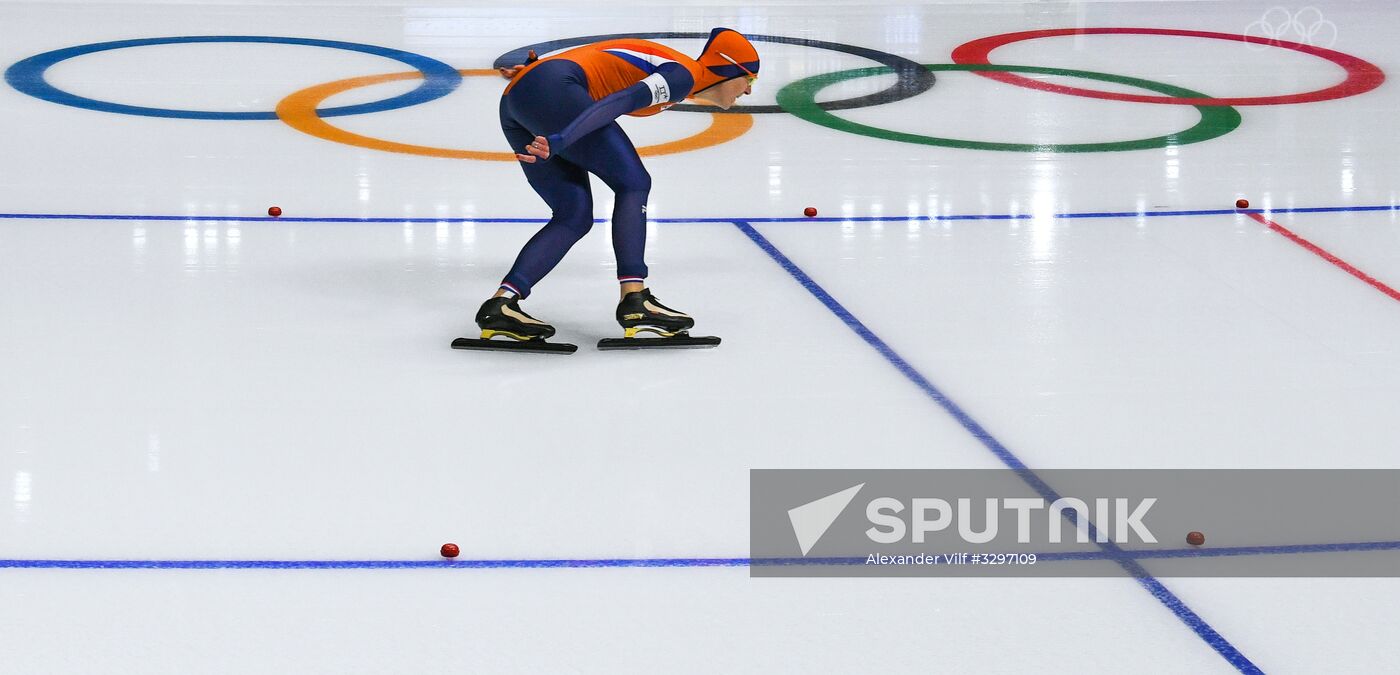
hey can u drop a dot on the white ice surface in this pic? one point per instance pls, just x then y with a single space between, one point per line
282 390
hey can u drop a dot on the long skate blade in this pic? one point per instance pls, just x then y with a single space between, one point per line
674 342
514 346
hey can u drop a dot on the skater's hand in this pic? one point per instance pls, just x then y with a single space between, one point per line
512 71
539 148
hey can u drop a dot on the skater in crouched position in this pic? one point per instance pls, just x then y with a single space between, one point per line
558 113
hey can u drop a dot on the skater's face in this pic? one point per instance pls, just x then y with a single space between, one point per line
729 91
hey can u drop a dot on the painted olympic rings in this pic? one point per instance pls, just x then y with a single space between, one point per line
1362 76
799 98
299 111
439 79
913 78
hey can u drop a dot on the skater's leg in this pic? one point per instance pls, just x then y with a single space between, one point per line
564 187
609 154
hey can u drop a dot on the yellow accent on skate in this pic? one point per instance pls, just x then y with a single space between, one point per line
488 334
632 332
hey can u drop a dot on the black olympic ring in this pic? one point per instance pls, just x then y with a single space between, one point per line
913 80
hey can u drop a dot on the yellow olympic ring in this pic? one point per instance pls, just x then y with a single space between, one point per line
299 112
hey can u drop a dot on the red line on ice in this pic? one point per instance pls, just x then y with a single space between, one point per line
1322 253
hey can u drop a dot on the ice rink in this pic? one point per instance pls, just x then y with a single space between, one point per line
231 443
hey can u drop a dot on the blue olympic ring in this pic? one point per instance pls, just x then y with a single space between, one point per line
439 79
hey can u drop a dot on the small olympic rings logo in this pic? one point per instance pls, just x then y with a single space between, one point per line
1307 25
301 110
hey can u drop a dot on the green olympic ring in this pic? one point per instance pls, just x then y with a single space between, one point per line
799 98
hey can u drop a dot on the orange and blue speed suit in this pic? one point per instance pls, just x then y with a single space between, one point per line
574 99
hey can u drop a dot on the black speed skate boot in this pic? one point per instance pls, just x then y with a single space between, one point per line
503 316
640 311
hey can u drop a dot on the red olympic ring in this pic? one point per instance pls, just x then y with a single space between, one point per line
1362 76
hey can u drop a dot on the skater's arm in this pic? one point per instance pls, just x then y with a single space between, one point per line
670 82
